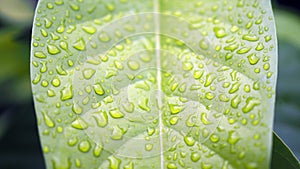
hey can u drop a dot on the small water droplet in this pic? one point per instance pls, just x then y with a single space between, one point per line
88 73
198 74
66 93
209 95
116 113
97 150
76 108
171 166
244 50
48 121
101 118
84 146
148 147
117 133
72 141
174 120
40 55
204 119
79 44
104 37
189 140
79 123
235 101
209 79
55 82
175 109
98 89
114 163
214 138
219 32
251 38
195 156
235 87
250 104
52 49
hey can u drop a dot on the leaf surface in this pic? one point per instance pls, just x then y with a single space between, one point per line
154 84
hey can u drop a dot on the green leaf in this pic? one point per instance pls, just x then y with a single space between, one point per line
282 156
154 84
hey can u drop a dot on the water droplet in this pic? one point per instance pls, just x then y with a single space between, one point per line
195 156
84 146
133 65
101 118
40 55
77 163
174 120
175 109
198 74
188 66
189 140
231 47
204 119
51 93
171 166
129 107
117 133
52 49
268 38
89 29
233 137
250 104
235 101
88 73
253 59
203 44
66 93
150 131
214 138
244 50
223 98
209 95
79 123
114 163
266 66
206 166
219 32
118 65
148 147
259 47
76 108
235 87
48 121
116 113
247 88
251 38
74 7
79 44
104 37
143 104
55 82
98 89
209 79
110 7
44 32
44 83
37 78
97 150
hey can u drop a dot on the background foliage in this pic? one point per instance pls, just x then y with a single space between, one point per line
19 144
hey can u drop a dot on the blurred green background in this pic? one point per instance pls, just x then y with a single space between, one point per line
19 144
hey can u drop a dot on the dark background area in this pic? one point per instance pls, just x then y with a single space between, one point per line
19 142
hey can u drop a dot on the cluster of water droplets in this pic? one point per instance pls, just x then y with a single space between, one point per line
96 90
